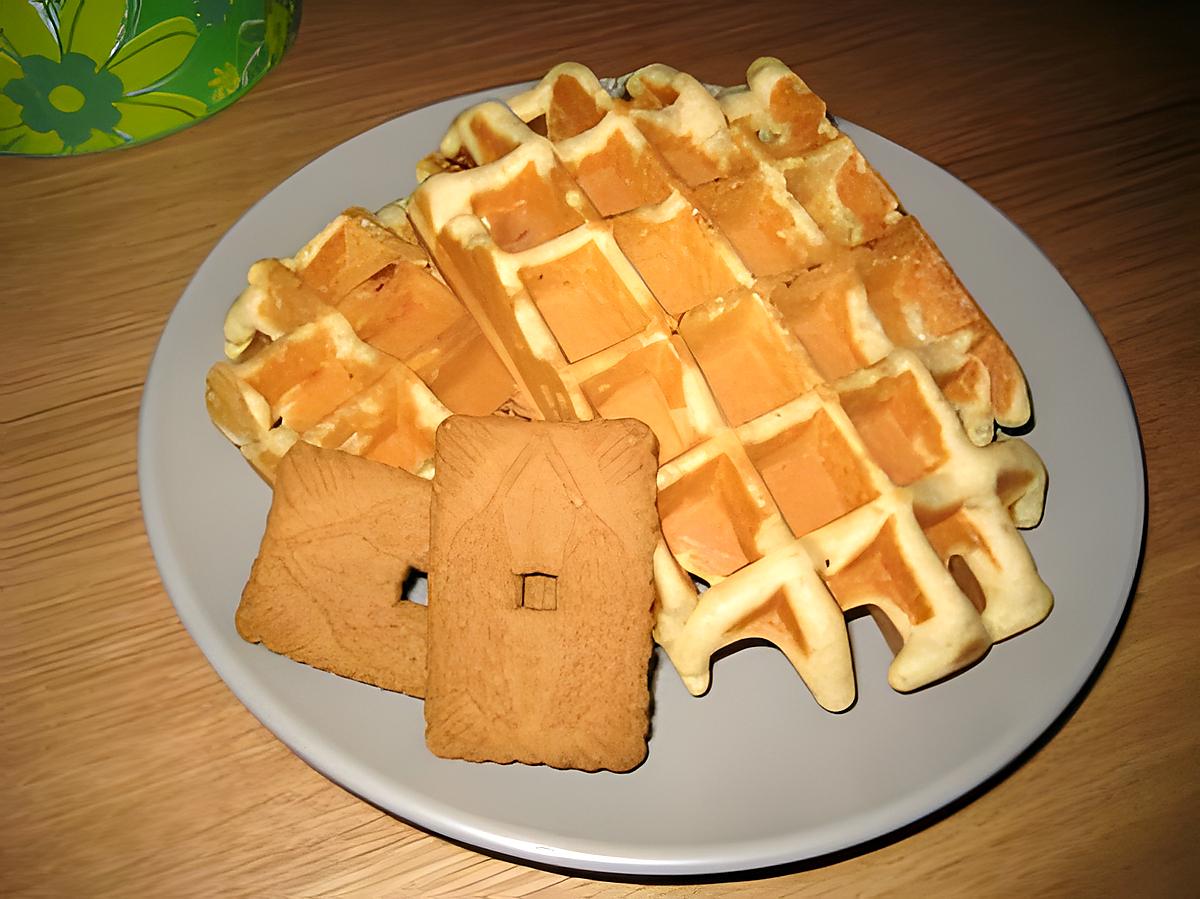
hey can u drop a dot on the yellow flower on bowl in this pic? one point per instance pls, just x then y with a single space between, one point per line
226 81
73 80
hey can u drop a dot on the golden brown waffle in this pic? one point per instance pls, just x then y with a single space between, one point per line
864 493
786 189
916 296
355 344
697 263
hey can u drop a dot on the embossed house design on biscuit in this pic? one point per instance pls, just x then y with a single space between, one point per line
541 588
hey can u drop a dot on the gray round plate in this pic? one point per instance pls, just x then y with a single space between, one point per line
754 773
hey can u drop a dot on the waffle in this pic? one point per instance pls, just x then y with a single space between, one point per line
729 270
912 290
353 344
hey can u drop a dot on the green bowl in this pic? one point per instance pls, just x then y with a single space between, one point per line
79 76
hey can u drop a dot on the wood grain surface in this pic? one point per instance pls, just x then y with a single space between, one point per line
130 769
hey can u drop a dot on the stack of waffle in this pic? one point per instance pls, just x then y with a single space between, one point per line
726 267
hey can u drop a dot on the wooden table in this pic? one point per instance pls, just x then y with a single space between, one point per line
128 766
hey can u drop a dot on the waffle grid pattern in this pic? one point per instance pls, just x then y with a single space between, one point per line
810 466
726 267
